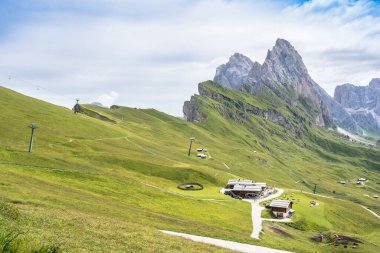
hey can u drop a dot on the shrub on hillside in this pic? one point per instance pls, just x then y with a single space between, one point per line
47 249
304 225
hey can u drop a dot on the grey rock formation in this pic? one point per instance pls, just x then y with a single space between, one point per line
341 117
282 68
362 103
234 72
191 110
351 96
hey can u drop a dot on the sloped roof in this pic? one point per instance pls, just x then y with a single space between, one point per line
252 188
262 184
280 203
245 182
240 181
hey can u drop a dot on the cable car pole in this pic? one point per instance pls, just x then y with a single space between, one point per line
33 126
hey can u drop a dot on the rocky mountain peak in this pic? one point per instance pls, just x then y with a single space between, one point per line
284 52
240 59
282 43
375 83
285 65
234 72
282 68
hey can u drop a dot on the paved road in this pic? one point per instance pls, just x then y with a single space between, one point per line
240 247
257 221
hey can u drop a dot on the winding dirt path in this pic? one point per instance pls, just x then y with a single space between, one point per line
372 212
257 221
328 197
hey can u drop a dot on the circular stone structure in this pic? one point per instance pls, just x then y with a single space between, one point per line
191 186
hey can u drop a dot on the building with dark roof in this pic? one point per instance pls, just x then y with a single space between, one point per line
247 189
282 208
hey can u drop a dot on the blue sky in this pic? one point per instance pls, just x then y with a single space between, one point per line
154 53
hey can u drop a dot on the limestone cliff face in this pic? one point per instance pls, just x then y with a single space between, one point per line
339 114
191 110
238 110
283 69
362 103
351 96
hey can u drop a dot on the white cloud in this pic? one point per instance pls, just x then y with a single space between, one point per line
155 53
108 99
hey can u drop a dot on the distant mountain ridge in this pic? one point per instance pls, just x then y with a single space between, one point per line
362 103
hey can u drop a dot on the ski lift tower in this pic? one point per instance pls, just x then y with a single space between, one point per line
33 126
191 142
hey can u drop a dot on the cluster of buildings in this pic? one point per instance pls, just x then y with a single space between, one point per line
247 189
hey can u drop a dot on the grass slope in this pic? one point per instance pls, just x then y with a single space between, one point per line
93 185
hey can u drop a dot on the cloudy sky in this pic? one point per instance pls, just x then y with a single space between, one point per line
152 54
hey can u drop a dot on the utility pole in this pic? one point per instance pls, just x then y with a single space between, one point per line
191 142
33 126
315 188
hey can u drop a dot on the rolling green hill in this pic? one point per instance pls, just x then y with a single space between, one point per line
95 185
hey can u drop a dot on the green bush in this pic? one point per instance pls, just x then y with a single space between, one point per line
48 249
303 225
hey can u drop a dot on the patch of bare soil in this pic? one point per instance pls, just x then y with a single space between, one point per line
281 232
317 238
341 239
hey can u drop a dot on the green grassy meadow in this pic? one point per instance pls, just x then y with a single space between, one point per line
92 185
